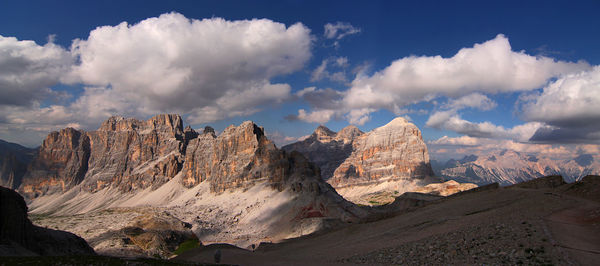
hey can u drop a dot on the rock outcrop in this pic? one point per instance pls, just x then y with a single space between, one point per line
14 159
19 237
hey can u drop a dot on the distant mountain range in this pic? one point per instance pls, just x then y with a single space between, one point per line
508 167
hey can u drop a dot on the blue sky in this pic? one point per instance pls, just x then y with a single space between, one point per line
472 75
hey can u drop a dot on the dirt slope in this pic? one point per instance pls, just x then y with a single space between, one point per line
500 226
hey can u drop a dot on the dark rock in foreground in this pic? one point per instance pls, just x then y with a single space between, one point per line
19 237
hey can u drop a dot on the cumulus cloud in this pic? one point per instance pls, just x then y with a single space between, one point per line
490 67
27 70
450 120
208 69
487 68
570 106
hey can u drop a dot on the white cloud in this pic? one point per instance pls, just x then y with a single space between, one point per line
473 100
339 30
210 68
487 68
321 71
27 70
573 100
570 108
457 147
319 116
450 120
207 69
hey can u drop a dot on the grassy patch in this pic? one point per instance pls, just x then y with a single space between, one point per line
374 202
187 245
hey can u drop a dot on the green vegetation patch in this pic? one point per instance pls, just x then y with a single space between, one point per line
187 245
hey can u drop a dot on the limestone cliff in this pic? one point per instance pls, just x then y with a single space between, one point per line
239 157
61 163
395 151
350 157
123 153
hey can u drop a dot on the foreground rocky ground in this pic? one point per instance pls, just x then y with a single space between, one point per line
512 225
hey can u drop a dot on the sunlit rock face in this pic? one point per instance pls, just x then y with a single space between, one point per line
239 157
395 151
60 164
124 153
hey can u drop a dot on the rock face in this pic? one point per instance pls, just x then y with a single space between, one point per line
18 236
123 153
14 159
395 151
61 163
392 152
326 148
509 167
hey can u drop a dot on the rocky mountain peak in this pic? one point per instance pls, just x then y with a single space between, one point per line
209 130
395 151
348 133
170 124
398 122
323 131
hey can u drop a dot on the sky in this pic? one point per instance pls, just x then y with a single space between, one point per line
474 76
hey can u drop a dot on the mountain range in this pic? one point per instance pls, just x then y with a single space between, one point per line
133 179
509 167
